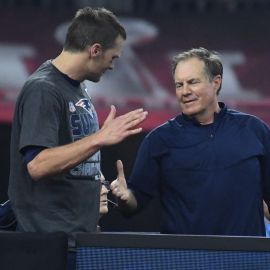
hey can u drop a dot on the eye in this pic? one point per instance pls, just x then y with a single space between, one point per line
194 81
178 85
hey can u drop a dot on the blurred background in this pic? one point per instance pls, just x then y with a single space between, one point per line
32 31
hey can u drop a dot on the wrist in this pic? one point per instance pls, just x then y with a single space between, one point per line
98 139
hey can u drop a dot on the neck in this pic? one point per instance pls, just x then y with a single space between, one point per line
209 116
71 64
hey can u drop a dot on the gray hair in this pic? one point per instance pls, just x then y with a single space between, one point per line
212 62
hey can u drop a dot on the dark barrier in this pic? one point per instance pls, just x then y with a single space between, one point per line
33 251
155 251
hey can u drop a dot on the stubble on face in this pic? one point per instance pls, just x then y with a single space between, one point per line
105 61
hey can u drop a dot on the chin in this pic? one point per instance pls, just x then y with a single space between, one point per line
191 111
94 78
103 211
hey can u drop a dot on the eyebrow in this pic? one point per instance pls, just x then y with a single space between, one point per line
116 56
189 80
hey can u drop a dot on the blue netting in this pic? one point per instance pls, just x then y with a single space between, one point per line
141 258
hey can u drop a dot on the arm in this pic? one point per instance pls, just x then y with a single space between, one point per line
265 172
266 211
52 161
127 202
144 179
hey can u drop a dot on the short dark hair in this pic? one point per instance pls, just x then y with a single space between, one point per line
93 25
212 62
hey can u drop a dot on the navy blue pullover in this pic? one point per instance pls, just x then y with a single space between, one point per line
211 179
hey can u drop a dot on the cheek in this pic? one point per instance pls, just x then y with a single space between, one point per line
209 94
178 94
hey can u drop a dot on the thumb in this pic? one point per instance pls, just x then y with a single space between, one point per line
111 115
120 172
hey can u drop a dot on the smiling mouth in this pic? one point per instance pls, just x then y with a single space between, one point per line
189 101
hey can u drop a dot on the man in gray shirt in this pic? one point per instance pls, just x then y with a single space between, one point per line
55 161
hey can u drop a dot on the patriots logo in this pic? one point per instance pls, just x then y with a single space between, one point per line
85 104
71 107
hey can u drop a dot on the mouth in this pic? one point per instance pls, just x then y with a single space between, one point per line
189 101
104 204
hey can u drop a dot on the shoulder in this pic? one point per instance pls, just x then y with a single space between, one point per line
42 83
162 129
44 77
248 121
163 134
244 118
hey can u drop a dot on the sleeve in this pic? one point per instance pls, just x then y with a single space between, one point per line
30 152
265 166
40 113
145 176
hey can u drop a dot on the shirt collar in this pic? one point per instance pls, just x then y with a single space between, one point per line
184 119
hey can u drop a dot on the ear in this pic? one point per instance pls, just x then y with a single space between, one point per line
217 82
95 50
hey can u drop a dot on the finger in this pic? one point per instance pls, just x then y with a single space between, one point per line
128 114
131 132
111 115
132 114
120 170
135 122
116 192
114 184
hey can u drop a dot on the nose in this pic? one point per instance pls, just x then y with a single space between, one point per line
104 189
186 89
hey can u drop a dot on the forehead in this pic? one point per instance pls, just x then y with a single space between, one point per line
189 68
